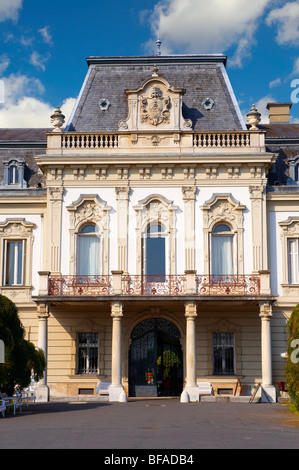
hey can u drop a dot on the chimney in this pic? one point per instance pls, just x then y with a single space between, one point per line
279 112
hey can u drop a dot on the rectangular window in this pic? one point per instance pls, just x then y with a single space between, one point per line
14 251
88 353
13 175
222 254
155 256
224 353
293 261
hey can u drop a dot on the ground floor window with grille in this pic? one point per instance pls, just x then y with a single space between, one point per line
88 353
223 353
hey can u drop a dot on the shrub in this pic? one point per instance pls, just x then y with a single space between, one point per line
21 357
292 365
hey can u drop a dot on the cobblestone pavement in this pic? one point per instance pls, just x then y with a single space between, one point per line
150 425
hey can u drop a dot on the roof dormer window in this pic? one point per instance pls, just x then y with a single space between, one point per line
14 174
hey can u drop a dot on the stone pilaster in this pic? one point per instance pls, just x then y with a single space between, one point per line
122 197
259 227
54 202
189 200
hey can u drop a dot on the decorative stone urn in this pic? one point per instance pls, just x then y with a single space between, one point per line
57 119
253 118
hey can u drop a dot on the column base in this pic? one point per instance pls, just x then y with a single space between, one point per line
41 393
117 393
268 394
193 393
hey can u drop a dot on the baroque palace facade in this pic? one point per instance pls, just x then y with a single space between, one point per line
152 243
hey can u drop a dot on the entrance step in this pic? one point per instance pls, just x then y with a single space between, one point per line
79 398
225 399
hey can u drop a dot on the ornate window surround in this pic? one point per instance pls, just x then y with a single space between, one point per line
223 208
156 209
289 230
18 229
89 208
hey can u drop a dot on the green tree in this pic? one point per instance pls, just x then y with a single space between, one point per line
21 356
292 365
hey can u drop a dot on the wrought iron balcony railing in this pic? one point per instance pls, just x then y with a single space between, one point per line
152 285
228 284
80 285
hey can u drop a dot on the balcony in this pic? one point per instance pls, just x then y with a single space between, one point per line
71 143
168 285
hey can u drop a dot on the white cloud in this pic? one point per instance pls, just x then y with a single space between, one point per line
17 86
31 112
38 60
287 19
296 67
198 26
275 83
4 63
9 9
21 109
45 33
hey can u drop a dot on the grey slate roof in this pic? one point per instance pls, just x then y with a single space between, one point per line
203 76
23 144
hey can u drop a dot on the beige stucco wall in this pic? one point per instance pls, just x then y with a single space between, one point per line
64 322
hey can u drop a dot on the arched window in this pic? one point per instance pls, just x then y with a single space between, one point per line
89 262
154 259
222 250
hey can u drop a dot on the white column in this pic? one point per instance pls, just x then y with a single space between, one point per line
116 391
268 390
191 387
41 388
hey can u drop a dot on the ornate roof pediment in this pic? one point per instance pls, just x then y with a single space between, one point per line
155 105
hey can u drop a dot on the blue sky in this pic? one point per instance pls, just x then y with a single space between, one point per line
43 46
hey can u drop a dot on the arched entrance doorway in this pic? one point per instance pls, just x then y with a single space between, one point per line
155 359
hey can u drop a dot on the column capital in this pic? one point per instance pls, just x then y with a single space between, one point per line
116 309
43 310
190 310
265 310
122 192
189 192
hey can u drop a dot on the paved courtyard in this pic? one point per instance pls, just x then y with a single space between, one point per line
150 424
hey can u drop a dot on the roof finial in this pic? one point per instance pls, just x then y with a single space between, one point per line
158 45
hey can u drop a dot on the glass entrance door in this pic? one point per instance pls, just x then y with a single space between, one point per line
155 359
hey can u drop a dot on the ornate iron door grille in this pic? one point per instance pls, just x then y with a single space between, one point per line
155 359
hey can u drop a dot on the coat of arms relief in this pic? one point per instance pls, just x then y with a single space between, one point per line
155 108
155 105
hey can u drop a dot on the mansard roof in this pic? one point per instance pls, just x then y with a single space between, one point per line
201 77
